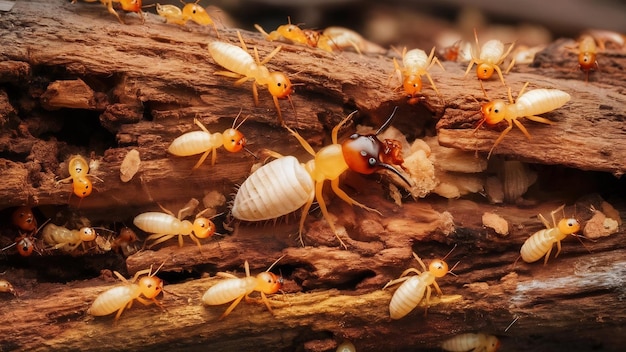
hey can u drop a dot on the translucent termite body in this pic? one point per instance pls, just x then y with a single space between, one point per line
67 240
122 296
411 292
190 12
285 185
471 342
415 64
339 38
489 58
528 105
241 65
234 289
205 142
78 168
541 242
164 226
5 286
127 5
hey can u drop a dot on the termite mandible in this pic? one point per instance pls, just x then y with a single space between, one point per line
242 66
285 185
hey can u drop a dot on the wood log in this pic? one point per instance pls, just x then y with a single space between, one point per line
74 80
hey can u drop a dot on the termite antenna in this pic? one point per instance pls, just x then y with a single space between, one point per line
274 263
453 267
235 120
450 252
388 122
157 270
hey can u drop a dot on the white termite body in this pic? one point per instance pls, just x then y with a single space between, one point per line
471 342
536 102
540 243
195 142
62 238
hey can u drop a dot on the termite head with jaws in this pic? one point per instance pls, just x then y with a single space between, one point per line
587 55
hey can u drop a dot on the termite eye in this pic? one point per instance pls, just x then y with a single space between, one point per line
372 161
496 111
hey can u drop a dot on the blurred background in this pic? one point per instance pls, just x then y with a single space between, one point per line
424 23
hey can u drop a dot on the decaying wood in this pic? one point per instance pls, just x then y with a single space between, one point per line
74 80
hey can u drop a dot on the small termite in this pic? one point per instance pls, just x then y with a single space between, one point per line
528 105
124 242
415 64
127 5
205 142
164 226
65 239
190 12
587 55
235 289
411 292
540 243
78 168
471 342
241 65
5 286
24 219
344 38
285 185
122 296
289 32
25 245
489 58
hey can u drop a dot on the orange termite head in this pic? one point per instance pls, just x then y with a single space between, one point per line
438 268
78 166
279 85
292 32
412 85
82 187
493 344
203 228
25 246
268 282
362 154
127 235
24 218
131 5
87 234
197 14
484 71
587 61
569 226
233 140
493 112
150 286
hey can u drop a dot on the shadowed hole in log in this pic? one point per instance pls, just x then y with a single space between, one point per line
83 128
67 268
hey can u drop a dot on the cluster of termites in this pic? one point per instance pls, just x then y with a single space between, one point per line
286 185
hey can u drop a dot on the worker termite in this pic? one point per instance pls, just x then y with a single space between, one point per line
346 346
415 64
411 292
235 289
122 296
540 243
471 342
205 142
6 286
24 219
127 5
78 168
65 239
190 12
164 226
285 185
241 65
528 105
344 38
124 242
489 58
290 32
587 55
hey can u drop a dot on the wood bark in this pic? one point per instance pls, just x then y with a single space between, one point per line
74 80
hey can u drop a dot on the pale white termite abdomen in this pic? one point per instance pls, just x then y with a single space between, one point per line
471 342
276 189
537 245
155 222
407 297
233 58
491 51
415 60
539 101
113 299
228 290
194 143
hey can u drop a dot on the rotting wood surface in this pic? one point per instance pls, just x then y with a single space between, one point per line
147 83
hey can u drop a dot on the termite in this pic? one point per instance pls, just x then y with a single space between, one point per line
471 342
24 219
190 12
127 5
528 105
540 243
242 66
122 296
235 289
290 32
411 292
346 346
25 245
5 286
587 55
205 142
78 168
415 64
343 38
65 239
489 58
164 226
124 241
285 185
